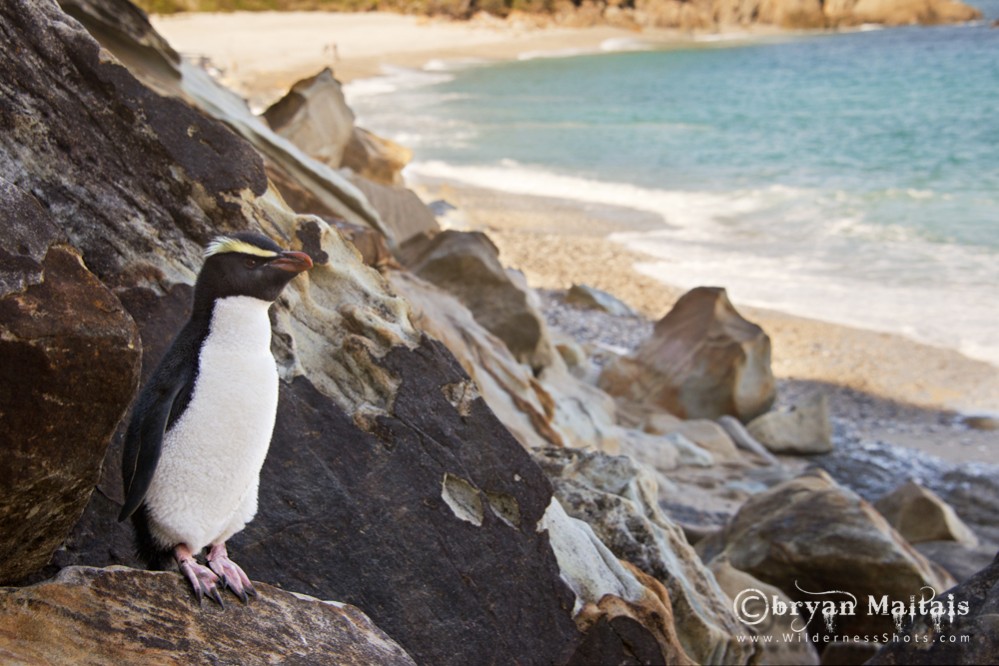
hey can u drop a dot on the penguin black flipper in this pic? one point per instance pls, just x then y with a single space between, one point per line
159 404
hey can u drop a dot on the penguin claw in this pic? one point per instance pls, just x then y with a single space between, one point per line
202 579
230 573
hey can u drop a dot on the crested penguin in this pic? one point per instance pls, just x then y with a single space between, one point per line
203 422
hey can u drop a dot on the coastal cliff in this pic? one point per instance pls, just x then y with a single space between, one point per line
441 488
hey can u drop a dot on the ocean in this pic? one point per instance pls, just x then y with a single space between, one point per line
850 177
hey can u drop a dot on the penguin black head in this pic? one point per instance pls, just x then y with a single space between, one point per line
247 264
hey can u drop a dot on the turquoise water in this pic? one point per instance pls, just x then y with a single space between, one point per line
850 177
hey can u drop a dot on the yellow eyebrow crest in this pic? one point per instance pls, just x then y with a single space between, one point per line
224 244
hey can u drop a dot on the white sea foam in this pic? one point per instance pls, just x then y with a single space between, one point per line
393 80
623 44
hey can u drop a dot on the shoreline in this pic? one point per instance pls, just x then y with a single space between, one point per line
882 387
250 49
535 234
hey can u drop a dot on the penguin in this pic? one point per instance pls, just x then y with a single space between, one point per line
203 422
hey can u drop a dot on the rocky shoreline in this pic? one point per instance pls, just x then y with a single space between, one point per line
463 470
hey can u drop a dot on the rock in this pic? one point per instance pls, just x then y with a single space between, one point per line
960 561
315 117
623 611
115 22
920 515
124 616
382 452
703 361
466 264
589 298
707 435
69 363
909 12
803 430
810 535
375 158
618 499
752 601
743 440
551 409
981 422
402 213
873 469
976 632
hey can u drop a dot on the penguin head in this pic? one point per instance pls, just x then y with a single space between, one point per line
247 264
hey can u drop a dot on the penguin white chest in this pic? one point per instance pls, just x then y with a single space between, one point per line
205 485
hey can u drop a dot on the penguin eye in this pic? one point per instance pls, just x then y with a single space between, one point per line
252 262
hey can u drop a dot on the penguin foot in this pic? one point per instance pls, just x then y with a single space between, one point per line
230 572
203 580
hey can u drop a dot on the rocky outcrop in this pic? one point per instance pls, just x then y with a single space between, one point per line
703 361
390 484
920 515
790 14
466 264
551 409
626 614
69 363
802 430
907 12
619 500
123 616
975 636
810 535
315 117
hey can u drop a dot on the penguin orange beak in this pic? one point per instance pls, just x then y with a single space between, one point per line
293 262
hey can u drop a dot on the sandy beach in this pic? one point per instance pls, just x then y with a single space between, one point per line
261 54
890 387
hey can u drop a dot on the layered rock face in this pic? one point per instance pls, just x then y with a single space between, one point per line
389 484
783 537
124 616
69 362
703 361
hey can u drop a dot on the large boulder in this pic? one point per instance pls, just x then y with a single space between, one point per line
315 117
920 515
124 616
466 264
971 636
703 361
811 535
69 363
802 430
618 498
